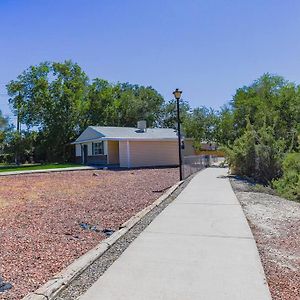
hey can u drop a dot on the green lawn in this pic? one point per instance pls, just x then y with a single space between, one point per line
13 168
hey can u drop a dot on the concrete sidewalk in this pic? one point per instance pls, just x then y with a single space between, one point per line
199 247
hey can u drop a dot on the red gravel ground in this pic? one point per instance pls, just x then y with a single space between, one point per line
40 216
275 223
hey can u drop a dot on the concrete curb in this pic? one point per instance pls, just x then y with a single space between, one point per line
61 280
13 173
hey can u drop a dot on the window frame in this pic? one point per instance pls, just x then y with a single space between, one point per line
96 148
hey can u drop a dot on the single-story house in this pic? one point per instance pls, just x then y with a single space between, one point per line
129 147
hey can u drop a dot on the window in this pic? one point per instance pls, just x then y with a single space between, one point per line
98 148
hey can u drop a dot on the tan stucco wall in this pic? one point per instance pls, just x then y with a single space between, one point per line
123 154
143 154
113 152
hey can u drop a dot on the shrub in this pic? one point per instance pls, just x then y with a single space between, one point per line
256 154
241 156
289 184
269 155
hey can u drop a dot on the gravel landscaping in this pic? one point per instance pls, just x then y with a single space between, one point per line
82 283
49 220
275 223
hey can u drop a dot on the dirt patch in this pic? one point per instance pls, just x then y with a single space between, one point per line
41 214
275 223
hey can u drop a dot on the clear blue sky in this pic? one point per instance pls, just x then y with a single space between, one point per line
206 48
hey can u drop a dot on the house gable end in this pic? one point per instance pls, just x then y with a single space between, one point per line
89 134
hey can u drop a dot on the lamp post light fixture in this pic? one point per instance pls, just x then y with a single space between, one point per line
177 95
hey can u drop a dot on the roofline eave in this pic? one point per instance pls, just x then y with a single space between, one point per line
125 139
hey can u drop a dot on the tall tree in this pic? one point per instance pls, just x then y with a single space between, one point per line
122 104
264 118
51 97
100 103
225 126
134 103
57 100
201 124
168 116
269 101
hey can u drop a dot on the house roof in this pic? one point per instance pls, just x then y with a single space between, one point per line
93 133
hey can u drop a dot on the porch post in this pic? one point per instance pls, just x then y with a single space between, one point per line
106 151
82 154
128 154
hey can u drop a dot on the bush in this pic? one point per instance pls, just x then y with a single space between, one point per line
269 156
241 157
288 185
257 154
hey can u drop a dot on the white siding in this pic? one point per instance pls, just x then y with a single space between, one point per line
150 153
78 150
90 149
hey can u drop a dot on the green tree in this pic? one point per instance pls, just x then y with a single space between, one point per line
257 154
201 124
58 100
168 114
134 103
100 107
122 104
51 96
225 126
272 106
241 156
270 101
269 155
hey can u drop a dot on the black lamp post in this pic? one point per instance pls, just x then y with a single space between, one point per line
177 94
